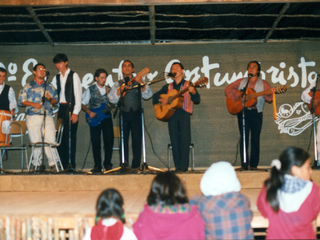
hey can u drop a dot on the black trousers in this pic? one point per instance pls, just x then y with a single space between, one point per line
106 127
253 124
63 149
180 136
132 122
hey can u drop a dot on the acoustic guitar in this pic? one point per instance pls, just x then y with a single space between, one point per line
316 102
164 112
235 107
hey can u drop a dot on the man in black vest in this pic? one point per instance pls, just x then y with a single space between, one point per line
7 98
69 93
97 98
131 111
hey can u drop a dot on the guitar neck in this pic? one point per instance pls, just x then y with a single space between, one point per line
254 95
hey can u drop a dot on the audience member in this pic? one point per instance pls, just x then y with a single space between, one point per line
168 214
224 209
110 218
289 200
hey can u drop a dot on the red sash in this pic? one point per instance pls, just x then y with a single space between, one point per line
102 232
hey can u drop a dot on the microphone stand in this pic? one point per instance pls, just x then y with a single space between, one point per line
44 101
123 168
243 96
316 161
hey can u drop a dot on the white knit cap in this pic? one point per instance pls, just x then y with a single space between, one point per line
219 178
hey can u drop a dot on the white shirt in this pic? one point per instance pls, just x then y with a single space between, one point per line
77 88
305 94
11 97
86 95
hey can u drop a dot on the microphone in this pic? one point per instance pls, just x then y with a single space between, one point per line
171 74
126 79
47 74
250 75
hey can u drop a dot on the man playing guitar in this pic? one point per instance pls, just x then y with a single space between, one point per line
97 97
253 115
131 110
179 123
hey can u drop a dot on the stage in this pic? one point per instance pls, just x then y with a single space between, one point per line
61 206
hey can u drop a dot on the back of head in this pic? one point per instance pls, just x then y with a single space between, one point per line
167 189
291 156
110 204
219 178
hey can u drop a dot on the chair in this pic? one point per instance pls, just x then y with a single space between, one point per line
169 149
15 129
52 147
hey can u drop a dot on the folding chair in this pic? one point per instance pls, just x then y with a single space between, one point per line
15 129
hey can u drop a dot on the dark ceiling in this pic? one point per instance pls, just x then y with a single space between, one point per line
160 23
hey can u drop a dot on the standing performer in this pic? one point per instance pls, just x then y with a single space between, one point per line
97 96
131 111
179 123
31 97
7 100
305 96
69 96
253 115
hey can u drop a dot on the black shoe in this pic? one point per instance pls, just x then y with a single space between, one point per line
108 167
96 170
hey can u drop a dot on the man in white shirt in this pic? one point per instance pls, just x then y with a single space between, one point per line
7 99
69 95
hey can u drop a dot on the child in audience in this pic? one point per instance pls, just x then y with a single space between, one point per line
289 199
168 214
109 218
224 209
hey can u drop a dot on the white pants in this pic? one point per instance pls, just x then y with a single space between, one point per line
35 127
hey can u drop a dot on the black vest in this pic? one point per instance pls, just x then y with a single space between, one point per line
132 99
4 100
68 90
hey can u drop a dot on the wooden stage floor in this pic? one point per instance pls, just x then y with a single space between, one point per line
68 201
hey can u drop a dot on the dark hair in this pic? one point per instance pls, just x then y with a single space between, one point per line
292 156
110 204
38 64
179 63
258 64
60 57
128 62
3 70
167 189
99 71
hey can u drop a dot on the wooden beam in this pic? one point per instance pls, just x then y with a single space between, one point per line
134 2
152 19
275 23
41 27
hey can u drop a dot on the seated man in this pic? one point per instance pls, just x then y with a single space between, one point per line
31 97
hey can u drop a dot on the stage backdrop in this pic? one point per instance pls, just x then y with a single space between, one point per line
214 130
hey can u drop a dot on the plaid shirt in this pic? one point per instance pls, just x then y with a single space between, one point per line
227 216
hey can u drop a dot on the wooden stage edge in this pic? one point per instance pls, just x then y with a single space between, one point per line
59 202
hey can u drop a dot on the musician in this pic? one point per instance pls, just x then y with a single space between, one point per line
307 99
96 95
7 95
7 99
131 110
179 123
69 97
31 97
253 115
